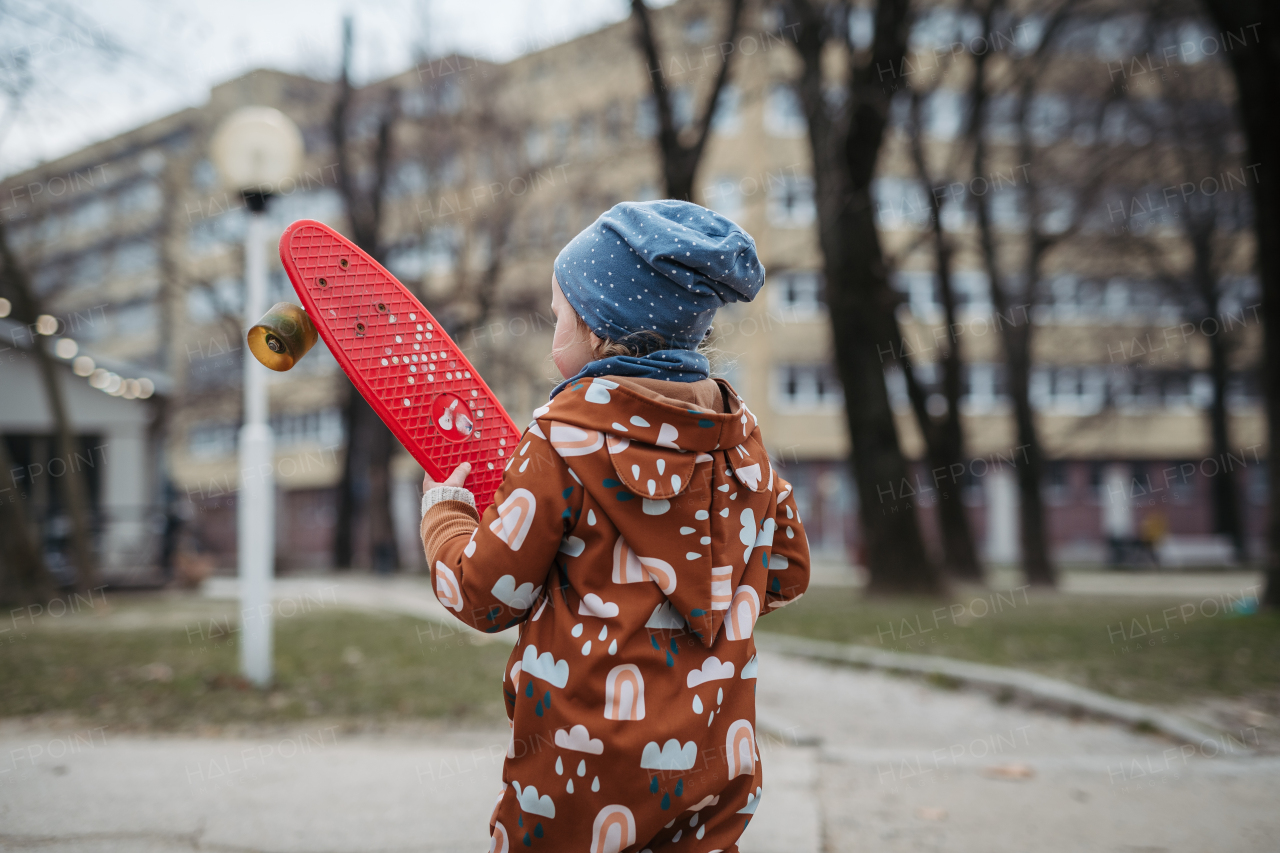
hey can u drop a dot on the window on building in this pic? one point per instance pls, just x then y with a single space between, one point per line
648 191
322 427
1068 389
917 288
409 178
945 111
1119 36
1000 118
798 293
560 135
134 258
89 215
1048 118
440 255
1174 477
204 176
983 388
212 440
136 318
724 196
560 224
1243 388
942 27
727 119
806 387
535 145
1009 208
141 197
1137 388
972 292
896 384
697 30
1258 484
900 203
414 103
862 27
612 121
783 114
449 96
207 302
1058 210
791 203
587 134
646 117
1057 484
682 107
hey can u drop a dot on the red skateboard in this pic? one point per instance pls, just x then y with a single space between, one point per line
399 358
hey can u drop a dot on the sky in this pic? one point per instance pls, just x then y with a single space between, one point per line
173 51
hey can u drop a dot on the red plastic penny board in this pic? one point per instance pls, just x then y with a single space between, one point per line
400 360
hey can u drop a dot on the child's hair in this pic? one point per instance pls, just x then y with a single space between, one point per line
641 343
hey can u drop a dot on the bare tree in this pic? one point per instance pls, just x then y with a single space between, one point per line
15 285
367 462
943 434
845 134
680 157
1256 65
1050 219
20 76
1210 226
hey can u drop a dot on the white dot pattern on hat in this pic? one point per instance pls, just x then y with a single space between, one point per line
699 262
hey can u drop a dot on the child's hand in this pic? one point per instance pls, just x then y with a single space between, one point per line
455 479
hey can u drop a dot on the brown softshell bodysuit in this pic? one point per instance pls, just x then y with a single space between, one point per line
635 540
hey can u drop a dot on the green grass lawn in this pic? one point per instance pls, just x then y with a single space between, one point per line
1108 644
169 663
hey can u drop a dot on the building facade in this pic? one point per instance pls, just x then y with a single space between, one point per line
495 166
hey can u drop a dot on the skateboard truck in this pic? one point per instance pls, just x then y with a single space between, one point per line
282 337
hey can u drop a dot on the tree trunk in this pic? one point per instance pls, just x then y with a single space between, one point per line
354 470
679 160
1015 343
71 486
944 437
1227 518
365 469
25 578
845 146
1256 65
1015 335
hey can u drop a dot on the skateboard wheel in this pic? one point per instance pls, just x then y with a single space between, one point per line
282 337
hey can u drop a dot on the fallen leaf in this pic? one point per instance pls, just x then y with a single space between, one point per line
1008 771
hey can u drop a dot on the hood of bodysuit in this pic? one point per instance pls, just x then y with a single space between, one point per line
681 476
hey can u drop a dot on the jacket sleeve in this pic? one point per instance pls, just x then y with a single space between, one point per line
490 571
789 557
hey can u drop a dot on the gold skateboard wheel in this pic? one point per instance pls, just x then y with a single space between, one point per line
282 337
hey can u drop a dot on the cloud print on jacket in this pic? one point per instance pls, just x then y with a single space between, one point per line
711 670
671 756
594 605
532 803
545 666
579 740
520 597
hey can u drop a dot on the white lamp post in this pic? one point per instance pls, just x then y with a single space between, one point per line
254 149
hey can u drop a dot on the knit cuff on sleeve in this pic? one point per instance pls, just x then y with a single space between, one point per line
446 520
431 497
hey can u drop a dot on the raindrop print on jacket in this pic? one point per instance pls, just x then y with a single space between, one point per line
636 539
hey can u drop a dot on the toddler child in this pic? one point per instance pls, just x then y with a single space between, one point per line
639 532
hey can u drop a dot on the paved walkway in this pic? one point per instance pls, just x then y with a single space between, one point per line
854 760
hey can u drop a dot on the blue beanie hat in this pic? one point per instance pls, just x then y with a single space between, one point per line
661 266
